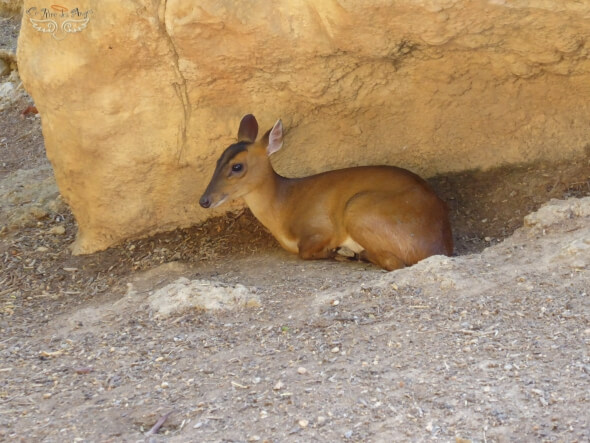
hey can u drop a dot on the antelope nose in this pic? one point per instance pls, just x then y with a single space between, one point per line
205 202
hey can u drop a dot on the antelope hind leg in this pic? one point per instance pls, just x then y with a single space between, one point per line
315 247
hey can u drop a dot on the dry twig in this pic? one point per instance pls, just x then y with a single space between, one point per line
158 424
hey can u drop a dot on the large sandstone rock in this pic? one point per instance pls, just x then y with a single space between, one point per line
138 102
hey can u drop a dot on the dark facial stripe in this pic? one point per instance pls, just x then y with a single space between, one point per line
231 152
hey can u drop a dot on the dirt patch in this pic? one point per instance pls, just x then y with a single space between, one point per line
487 346
490 345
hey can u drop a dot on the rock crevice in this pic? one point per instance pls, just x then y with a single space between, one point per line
181 90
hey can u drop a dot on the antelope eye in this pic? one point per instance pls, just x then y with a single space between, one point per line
237 167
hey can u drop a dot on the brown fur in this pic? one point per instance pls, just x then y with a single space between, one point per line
391 213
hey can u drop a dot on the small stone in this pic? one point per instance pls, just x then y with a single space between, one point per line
303 423
164 385
278 386
335 302
321 420
335 349
301 370
4 67
7 90
39 213
57 230
42 249
47 395
254 438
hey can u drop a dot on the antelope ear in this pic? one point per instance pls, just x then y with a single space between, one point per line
275 138
248 129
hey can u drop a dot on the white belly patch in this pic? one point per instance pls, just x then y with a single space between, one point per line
351 245
348 244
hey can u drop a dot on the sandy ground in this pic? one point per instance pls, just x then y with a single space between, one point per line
222 336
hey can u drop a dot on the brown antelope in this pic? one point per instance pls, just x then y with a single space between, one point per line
387 215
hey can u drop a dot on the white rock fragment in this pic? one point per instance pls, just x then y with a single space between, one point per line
579 251
556 211
6 90
57 230
185 294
